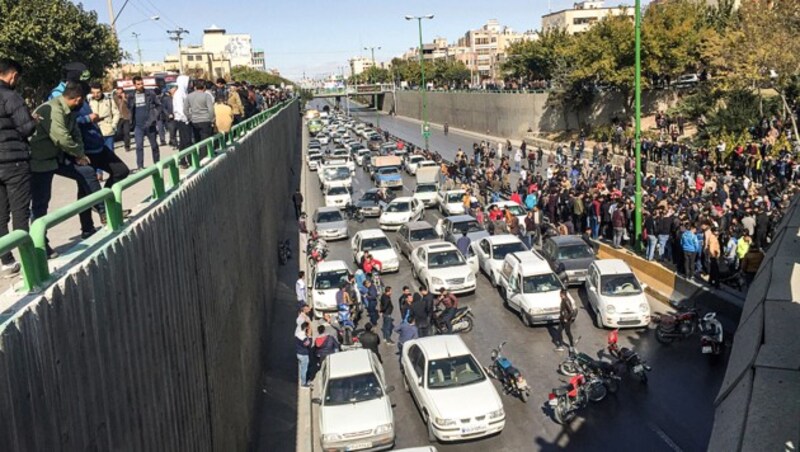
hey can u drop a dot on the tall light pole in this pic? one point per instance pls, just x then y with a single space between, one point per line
637 87
177 35
426 130
375 96
139 52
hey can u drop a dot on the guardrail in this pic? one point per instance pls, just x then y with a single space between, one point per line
32 246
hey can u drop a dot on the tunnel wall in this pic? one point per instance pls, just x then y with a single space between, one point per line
154 342
511 114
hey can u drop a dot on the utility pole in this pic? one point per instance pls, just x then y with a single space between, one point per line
138 52
637 87
111 22
426 128
375 96
177 35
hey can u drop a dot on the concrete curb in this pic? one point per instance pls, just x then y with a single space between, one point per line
305 428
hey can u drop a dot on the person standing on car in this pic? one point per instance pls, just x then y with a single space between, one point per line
370 341
567 315
16 126
386 309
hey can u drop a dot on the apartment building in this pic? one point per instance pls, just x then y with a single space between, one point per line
582 16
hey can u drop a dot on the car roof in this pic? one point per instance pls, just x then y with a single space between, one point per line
439 245
371 233
502 238
460 218
402 199
568 240
532 264
326 266
443 346
421 157
347 363
414 225
327 209
612 267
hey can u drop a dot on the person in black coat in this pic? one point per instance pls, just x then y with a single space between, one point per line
370 340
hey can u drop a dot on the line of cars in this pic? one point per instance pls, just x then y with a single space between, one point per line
440 372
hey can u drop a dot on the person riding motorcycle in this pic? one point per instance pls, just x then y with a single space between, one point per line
450 303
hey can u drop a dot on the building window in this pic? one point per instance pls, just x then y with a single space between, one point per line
189 57
584 20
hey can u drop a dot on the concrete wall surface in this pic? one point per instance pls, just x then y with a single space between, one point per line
154 342
758 406
511 114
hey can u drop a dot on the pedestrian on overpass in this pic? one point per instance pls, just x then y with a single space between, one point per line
145 110
200 112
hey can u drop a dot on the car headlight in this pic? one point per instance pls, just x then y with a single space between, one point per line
610 309
644 308
470 276
444 422
497 414
331 437
385 428
435 280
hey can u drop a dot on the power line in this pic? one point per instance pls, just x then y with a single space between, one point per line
177 35
162 14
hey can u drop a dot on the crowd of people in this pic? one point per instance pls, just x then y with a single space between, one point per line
72 135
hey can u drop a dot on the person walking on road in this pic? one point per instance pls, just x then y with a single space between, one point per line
566 317
16 126
370 341
297 201
386 309
463 244
145 110
302 349
406 331
300 288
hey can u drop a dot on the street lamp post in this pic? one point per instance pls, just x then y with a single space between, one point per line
374 96
138 52
426 132
637 87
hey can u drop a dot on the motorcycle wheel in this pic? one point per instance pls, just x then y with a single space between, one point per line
568 368
563 414
662 337
643 377
596 391
612 384
523 395
468 328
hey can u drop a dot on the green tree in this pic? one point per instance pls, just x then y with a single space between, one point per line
536 60
672 33
256 77
43 35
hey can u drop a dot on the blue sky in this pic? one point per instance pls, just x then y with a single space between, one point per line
316 36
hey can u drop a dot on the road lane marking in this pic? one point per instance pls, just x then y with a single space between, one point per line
664 437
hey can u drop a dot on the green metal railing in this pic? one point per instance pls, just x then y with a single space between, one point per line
32 246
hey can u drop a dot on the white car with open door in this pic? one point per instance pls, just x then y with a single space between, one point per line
441 264
378 245
455 397
530 287
616 295
491 252
355 412
401 211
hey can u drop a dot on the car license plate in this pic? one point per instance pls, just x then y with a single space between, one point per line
630 318
638 368
359 446
474 429
706 349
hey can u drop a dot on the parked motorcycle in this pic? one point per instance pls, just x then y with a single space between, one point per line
462 321
284 252
711 335
352 212
568 399
676 326
578 363
511 378
633 362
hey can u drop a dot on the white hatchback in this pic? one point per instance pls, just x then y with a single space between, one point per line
378 245
451 202
616 295
456 398
441 264
401 211
355 412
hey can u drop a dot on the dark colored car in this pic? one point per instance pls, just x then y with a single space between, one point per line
569 256
371 204
374 143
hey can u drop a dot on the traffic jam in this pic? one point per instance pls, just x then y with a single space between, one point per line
387 204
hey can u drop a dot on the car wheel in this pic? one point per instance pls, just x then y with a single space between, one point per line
429 422
525 319
598 319
492 280
405 384
414 272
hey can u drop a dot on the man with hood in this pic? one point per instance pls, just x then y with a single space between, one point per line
182 125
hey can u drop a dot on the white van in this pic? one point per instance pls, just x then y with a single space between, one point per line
530 287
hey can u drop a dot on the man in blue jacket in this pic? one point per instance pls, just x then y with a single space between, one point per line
691 247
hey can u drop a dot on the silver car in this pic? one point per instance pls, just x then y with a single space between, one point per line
329 223
414 234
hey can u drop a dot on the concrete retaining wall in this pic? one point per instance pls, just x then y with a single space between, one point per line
155 342
511 114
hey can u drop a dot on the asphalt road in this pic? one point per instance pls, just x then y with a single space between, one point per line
673 412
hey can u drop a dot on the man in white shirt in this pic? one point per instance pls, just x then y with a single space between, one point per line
300 288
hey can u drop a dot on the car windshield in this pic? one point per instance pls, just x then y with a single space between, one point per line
333 191
455 197
426 188
541 283
375 244
388 170
515 210
363 152
469 226
454 371
370 196
315 157
450 258
423 234
402 206
416 159
499 251
330 280
620 285
352 389
337 173
329 216
574 252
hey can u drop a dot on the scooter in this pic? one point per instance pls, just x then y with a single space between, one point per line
462 321
712 335
511 378
633 362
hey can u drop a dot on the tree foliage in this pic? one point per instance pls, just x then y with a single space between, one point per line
43 35
440 72
256 77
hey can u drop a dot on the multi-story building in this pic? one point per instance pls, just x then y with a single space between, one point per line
484 50
582 16
259 61
359 64
198 61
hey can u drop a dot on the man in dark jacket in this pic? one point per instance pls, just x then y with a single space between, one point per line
422 314
145 110
324 345
370 340
386 309
16 125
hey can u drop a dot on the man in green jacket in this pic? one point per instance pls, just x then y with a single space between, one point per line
57 149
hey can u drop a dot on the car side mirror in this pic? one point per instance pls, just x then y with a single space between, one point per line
316 400
644 285
389 389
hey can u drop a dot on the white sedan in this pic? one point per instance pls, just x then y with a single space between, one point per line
492 250
451 202
355 412
616 295
456 398
401 211
378 245
441 264
338 196
515 209
411 163
323 139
